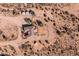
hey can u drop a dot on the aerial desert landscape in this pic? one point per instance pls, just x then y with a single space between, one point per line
39 29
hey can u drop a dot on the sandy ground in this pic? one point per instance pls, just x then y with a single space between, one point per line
8 23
